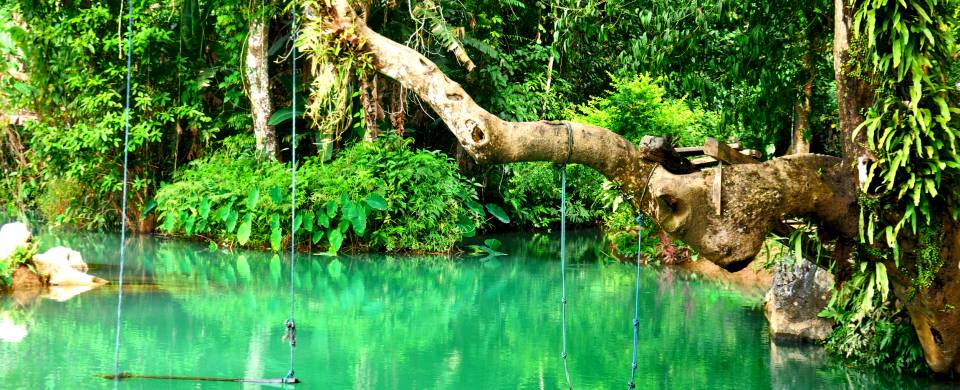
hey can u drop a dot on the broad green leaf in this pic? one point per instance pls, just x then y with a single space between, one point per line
274 222
376 201
148 207
467 227
232 220
359 221
493 243
243 233
317 235
252 198
498 212
222 213
308 219
276 238
204 209
297 222
335 238
276 195
331 208
474 206
322 219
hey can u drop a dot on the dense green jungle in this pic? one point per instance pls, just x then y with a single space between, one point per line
219 109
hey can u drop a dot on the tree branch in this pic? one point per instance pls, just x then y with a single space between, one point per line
755 197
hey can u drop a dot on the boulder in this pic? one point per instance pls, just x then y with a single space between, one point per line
64 267
65 256
13 236
800 291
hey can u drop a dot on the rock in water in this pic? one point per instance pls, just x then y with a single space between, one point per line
63 255
800 291
13 236
64 267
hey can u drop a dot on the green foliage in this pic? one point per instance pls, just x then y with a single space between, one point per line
20 256
381 195
531 192
870 329
906 51
637 106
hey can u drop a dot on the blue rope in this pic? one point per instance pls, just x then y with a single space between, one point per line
636 296
291 324
563 253
636 306
123 216
563 271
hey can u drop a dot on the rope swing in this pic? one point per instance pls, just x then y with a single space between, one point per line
123 216
290 326
290 333
636 296
563 253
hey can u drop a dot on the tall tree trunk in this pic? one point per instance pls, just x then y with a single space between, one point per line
853 94
258 85
800 142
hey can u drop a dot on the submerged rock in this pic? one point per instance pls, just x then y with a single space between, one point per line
800 291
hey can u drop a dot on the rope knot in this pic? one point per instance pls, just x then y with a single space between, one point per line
631 385
563 355
563 300
290 333
636 323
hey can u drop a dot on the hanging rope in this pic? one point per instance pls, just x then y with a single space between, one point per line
290 325
563 253
636 296
123 207
636 306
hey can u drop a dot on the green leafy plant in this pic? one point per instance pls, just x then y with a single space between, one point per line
23 255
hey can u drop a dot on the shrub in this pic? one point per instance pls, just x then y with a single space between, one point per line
381 195
531 192
636 106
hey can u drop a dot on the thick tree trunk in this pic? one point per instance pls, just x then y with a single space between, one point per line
258 86
933 310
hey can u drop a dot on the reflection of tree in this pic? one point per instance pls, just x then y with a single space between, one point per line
387 322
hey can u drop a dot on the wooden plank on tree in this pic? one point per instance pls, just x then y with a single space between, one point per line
725 153
704 162
755 154
689 151
659 150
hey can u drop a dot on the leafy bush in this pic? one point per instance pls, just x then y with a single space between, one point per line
637 106
871 330
531 192
380 195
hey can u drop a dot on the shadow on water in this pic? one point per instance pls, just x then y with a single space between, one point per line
399 322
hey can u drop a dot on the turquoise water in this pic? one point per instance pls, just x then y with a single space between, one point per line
401 322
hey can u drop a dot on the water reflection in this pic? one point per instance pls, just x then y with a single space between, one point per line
400 322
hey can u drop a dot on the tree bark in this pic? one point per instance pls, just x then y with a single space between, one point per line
853 94
258 86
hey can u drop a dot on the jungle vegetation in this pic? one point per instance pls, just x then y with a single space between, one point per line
381 170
